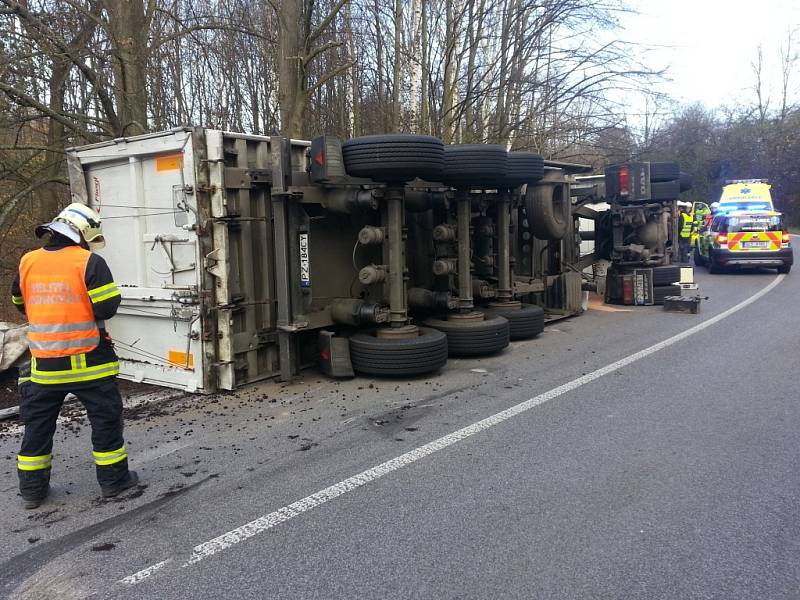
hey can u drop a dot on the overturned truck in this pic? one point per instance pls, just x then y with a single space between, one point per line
244 257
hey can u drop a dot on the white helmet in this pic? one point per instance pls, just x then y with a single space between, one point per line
714 206
77 221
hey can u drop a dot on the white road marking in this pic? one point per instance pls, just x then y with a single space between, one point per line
145 573
266 522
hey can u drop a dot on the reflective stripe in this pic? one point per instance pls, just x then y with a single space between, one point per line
109 458
22 380
112 294
18 300
90 341
104 292
74 375
60 327
34 463
77 362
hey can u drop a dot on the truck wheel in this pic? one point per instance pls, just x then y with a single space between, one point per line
666 275
394 158
662 291
685 182
398 357
478 165
665 190
548 210
524 323
473 338
664 171
784 268
524 167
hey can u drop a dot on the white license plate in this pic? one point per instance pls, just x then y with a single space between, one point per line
755 244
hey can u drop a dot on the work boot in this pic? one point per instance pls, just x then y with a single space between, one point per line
110 492
32 502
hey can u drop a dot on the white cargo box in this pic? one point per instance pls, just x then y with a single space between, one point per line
187 217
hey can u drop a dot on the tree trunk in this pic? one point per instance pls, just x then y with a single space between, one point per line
291 76
398 63
128 28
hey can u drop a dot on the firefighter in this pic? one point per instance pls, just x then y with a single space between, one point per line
685 233
67 292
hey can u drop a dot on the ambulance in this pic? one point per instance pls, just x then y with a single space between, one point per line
745 239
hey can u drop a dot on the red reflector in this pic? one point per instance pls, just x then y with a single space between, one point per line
325 355
623 181
319 158
785 237
627 289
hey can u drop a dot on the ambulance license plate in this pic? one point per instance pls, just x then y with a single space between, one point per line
755 244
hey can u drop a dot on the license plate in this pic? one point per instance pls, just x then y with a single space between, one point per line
755 244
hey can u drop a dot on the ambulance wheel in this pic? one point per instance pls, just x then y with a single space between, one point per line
784 269
474 338
699 260
713 266
394 158
398 357
523 323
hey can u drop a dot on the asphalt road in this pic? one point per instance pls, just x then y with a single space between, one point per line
622 467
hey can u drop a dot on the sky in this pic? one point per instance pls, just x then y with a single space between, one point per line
708 46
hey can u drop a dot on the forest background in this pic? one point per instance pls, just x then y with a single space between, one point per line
550 76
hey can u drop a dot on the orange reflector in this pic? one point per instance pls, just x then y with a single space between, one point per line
172 162
178 358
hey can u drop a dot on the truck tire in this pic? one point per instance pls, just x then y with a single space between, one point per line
662 291
666 275
394 158
665 190
524 167
685 181
548 209
372 355
474 338
664 171
475 165
524 323
784 269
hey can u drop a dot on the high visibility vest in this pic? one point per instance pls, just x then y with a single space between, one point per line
686 225
57 303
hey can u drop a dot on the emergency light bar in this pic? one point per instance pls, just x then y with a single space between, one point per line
727 208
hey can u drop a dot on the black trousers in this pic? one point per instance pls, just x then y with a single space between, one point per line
39 408
685 246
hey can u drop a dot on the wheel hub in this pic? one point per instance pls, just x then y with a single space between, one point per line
468 317
509 305
404 332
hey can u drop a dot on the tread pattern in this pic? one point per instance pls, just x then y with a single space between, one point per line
371 355
475 165
524 167
478 338
524 323
394 158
